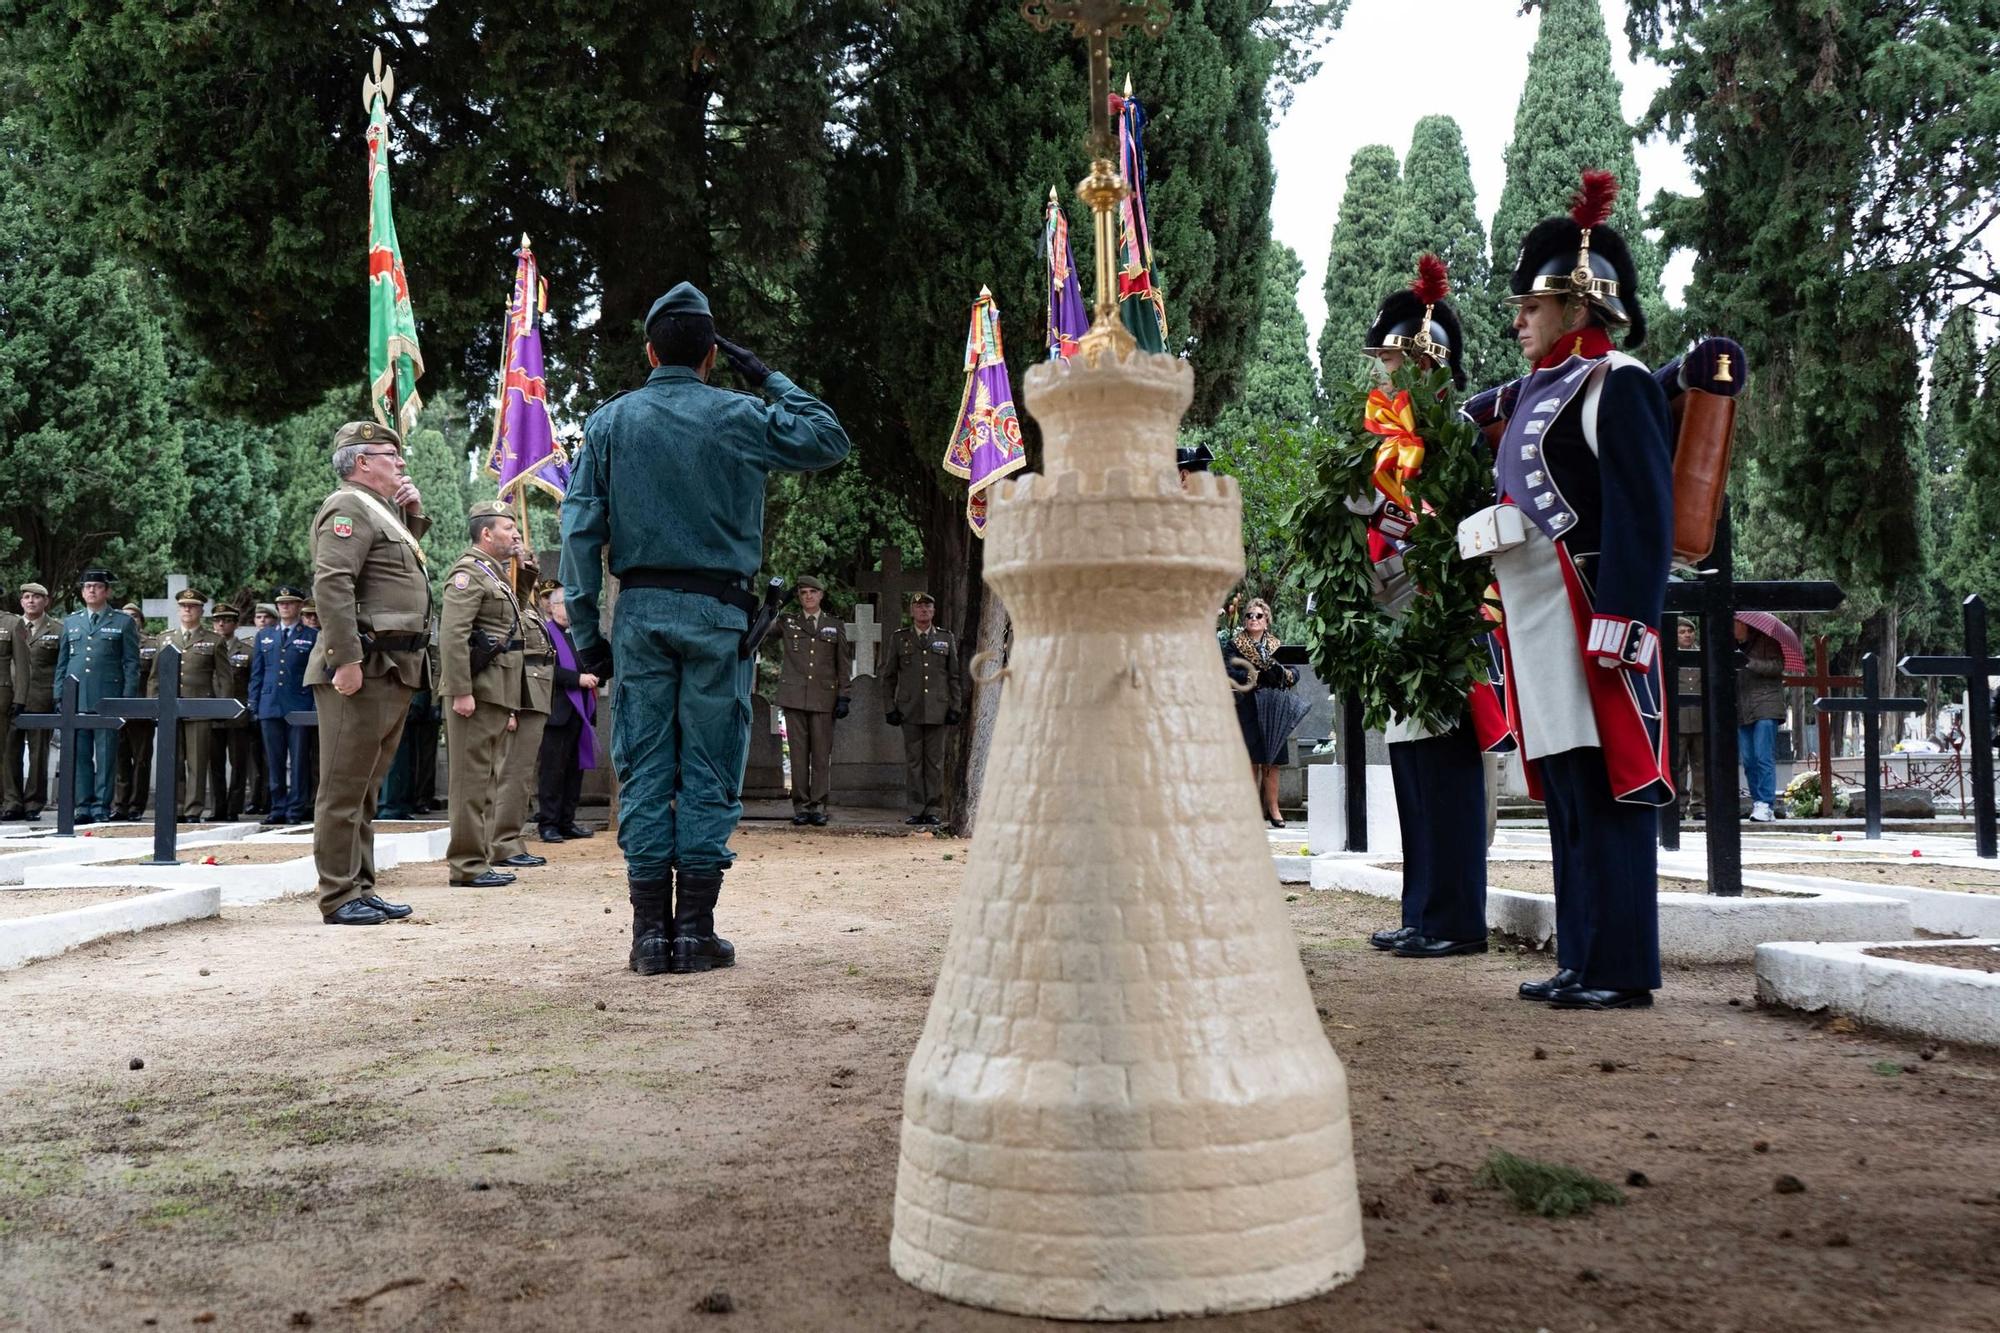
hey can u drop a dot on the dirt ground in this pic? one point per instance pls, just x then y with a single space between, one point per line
480 1120
1971 957
1915 872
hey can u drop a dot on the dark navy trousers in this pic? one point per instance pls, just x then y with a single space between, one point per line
1441 805
1607 875
285 753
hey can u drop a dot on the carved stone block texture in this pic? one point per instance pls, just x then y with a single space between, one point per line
1123 1105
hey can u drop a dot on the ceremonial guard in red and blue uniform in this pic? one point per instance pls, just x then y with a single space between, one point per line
1581 543
1439 777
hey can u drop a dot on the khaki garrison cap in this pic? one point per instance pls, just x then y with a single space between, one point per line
365 432
491 509
809 581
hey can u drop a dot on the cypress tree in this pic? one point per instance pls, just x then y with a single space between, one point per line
1568 121
1438 213
1972 556
1359 266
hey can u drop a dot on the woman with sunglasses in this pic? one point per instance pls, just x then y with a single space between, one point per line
1269 711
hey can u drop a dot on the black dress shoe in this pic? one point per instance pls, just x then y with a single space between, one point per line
492 879
84 819
271 820
914 819
1429 946
14 815
1542 990
548 833
525 859
802 819
356 912
575 831
818 819
1389 939
394 911
1585 997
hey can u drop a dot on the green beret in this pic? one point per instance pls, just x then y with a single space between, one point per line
365 432
685 299
491 509
808 581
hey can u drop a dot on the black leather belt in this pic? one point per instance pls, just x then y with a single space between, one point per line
726 589
394 643
542 659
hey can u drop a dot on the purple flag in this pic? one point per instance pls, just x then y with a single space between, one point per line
986 441
524 437
1068 321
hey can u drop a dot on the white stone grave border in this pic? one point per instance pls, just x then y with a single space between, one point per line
27 939
1921 999
244 886
21 855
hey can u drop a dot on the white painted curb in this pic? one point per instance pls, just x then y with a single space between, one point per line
28 938
1946 1003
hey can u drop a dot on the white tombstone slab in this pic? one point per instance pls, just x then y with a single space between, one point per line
1326 811
865 635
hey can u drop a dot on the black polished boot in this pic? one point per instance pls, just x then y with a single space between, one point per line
652 935
1542 990
1389 939
697 947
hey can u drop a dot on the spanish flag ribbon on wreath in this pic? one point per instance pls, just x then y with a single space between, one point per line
986 440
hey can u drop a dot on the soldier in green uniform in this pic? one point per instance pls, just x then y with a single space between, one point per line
13 693
668 490
373 594
479 606
134 786
100 647
229 743
817 662
39 644
522 749
924 682
204 675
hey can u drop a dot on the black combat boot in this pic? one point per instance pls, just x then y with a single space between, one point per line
652 936
696 946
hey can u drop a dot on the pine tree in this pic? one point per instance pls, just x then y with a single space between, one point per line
1438 213
1359 263
1568 121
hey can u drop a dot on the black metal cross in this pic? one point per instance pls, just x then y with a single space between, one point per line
1716 597
169 710
66 722
1872 706
1977 670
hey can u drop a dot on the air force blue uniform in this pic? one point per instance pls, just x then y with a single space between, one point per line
277 687
101 649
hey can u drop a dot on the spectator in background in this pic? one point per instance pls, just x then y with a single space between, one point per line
1687 731
569 741
1760 706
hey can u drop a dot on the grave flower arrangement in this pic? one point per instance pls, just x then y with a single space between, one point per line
1801 797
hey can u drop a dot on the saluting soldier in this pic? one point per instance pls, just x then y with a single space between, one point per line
816 662
522 750
481 653
39 645
925 683
668 493
13 692
100 647
373 594
229 743
135 739
204 675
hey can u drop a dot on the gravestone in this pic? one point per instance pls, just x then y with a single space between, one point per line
166 608
764 774
866 636
868 770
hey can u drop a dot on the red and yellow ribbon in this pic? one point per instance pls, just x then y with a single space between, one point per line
1401 457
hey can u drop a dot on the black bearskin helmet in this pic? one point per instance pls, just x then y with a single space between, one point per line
1580 256
1416 322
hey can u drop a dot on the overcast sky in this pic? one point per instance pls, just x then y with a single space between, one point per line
1478 50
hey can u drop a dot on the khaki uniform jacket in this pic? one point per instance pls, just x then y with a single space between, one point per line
44 641
538 662
817 662
368 580
476 597
13 662
925 675
149 649
205 671
233 668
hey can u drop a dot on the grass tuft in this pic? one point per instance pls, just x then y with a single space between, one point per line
1546 1188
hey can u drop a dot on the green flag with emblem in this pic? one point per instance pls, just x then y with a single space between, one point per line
394 360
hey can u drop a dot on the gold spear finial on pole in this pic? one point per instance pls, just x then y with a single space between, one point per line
1097 22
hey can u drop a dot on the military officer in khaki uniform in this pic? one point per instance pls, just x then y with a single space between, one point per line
230 743
373 594
135 739
38 643
479 601
924 682
13 694
522 748
816 665
204 675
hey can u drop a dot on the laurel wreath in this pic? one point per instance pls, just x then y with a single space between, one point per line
1418 668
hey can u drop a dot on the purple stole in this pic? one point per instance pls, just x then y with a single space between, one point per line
582 700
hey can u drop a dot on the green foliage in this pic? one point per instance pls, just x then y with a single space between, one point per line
90 452
1438 213
1421 666
1359 261
1974 552
232 513
1568 121
818 525
1547 1189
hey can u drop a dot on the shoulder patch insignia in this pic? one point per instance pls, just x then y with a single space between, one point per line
343 526
461 580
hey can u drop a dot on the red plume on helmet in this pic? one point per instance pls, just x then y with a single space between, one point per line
1433 283
1591 205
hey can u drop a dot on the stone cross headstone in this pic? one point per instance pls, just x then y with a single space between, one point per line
892 582
865 635
167 711
1820 682
67 722
166 608
1977 669
1872 706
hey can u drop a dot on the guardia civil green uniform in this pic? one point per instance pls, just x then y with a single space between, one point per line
668 489
29 753
478 598
205 674
924 681
101 649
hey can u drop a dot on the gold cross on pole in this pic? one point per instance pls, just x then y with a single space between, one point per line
1097 22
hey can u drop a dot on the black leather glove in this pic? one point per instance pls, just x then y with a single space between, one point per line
1272 677
16 710
839 709
596 659
895 717
744 362
951 717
